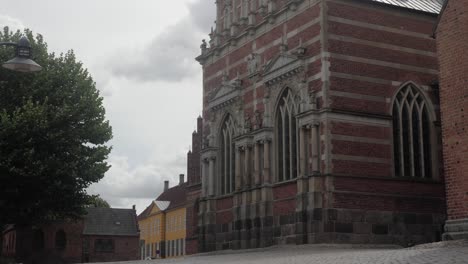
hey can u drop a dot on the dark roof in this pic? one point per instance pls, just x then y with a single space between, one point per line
429 6
110 222
177 196
146 212
7 228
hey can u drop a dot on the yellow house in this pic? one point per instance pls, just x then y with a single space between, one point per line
162 224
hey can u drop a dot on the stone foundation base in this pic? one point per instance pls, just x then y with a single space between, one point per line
328 226
456 229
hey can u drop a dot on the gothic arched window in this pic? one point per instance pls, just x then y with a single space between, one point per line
411 134
228 153
60 240
286 135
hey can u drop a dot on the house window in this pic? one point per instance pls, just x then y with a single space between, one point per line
107 245
38 239
286 135
60 240
227 156
411 134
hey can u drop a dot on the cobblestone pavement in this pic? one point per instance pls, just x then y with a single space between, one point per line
437 253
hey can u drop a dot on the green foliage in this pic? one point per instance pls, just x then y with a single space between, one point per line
97 201
53 135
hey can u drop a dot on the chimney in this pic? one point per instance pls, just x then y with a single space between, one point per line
166 185
134 207
181 179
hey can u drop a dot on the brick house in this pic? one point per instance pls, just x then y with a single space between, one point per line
452 44
320 124
104 234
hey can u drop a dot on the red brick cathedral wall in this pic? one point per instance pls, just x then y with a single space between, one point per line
452 40
358 56
373 52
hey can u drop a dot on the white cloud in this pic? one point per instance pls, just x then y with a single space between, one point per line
11 22
170 55
142 59
124 185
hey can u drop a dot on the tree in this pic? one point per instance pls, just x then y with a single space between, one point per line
53 135
97 201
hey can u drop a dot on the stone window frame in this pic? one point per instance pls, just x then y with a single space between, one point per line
286 104
38 240
227 147
60 240
106 245
425 109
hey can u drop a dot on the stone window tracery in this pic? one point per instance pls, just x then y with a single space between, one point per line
286 134
227 153
411 134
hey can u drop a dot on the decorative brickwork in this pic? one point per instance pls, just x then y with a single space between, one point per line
452 40
311 86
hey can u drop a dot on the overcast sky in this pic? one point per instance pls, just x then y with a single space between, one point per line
141 55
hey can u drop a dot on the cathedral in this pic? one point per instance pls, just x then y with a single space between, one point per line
320 124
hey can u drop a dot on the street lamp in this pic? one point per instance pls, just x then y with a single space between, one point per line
22 62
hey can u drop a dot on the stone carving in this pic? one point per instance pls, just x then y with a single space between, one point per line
247 124
225 79
205 143
226 93
263 8
258 123
203 47
253 63
271 6
301 50
293 4
282 67
212 38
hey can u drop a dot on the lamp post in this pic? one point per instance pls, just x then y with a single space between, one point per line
22 62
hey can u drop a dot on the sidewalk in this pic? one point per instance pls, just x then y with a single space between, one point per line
454 252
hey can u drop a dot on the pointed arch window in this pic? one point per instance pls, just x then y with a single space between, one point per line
227 147
411 134
286 137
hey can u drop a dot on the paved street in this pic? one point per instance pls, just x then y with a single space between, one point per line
437 253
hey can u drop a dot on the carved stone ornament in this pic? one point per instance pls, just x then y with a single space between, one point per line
285 70
282 67
253 64
258 123
203 47
226 94
247 124
293 4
